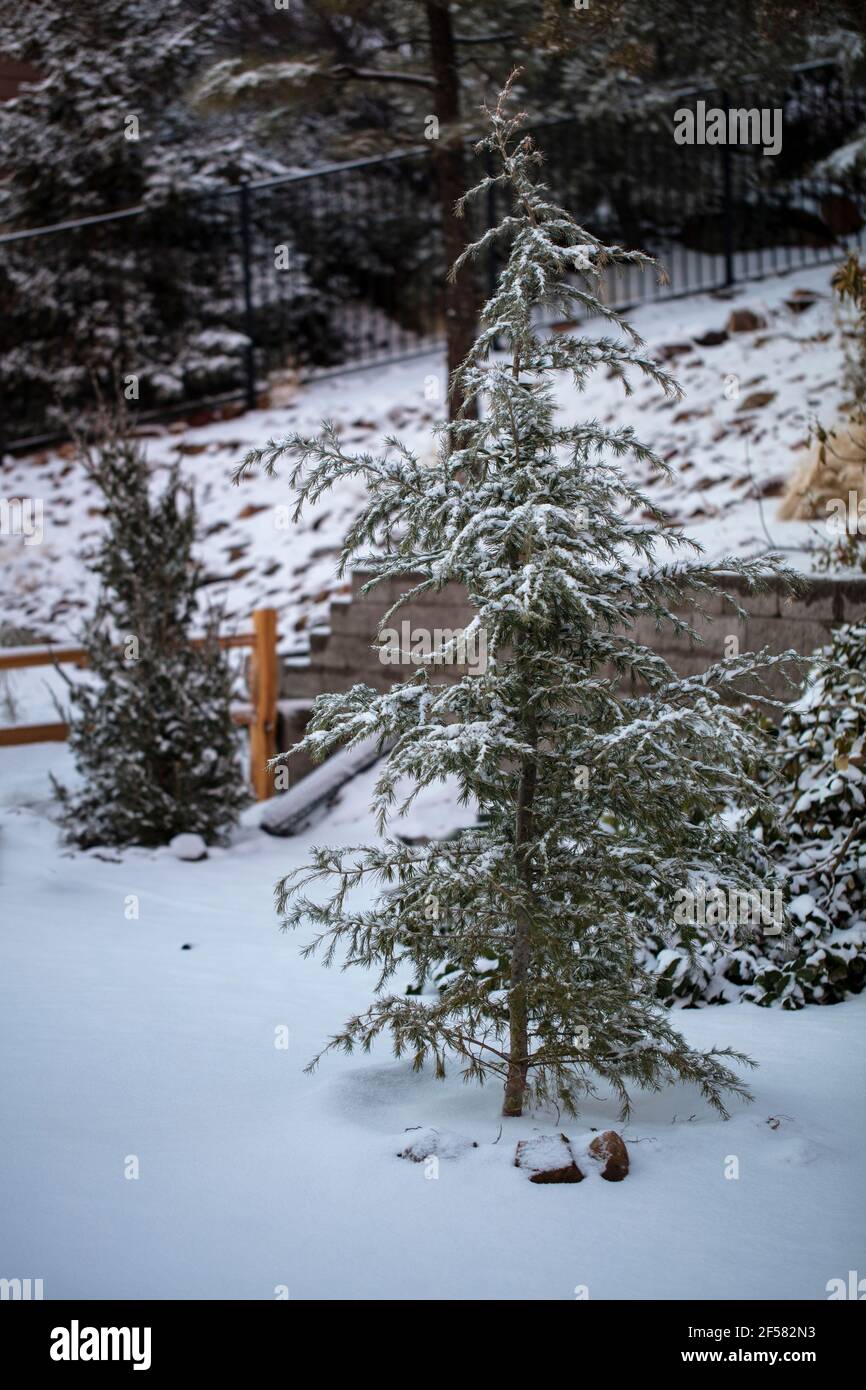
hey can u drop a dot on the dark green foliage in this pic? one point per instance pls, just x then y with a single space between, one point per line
818 842
595 805
102 126
150 724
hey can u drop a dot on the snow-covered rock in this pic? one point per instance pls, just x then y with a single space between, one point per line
547 1158
425 1143
610 1151
191 847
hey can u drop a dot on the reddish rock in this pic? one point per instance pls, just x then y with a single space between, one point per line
745 321
801 300
756 400
547 1158
609 1148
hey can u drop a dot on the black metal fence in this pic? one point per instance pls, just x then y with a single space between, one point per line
199 300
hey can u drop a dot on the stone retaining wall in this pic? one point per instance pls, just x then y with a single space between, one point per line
345 655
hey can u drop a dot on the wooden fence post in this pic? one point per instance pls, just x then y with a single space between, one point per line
265 685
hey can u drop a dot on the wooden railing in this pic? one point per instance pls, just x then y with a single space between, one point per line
260 716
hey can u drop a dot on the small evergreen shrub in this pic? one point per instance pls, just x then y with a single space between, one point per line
819 847
150 724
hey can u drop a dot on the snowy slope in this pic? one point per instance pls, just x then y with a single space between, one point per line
118 1043
723 453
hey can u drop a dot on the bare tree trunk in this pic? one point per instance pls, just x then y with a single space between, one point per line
518 1011
462 299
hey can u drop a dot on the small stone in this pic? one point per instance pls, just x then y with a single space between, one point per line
776 486
547 1158
610 1150
439 1143
669 351
188 846
714 338
756 400
744 321
801 300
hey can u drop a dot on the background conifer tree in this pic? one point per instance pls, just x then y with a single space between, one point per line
818 787
102 124
596 804
150 726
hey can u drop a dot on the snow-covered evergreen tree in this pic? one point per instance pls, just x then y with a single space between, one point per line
625 55
103 125
151 730
596 804
818 789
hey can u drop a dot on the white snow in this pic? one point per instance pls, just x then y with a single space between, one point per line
255 556
145 1000
188 847
119 1045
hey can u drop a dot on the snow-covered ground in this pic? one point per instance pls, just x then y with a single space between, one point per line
121 1048
725 452
124 1051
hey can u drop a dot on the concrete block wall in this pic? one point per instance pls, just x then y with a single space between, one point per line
773 619
346 654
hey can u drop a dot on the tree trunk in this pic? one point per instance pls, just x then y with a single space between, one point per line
518 1011
462 299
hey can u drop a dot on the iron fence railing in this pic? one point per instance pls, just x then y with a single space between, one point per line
198 300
